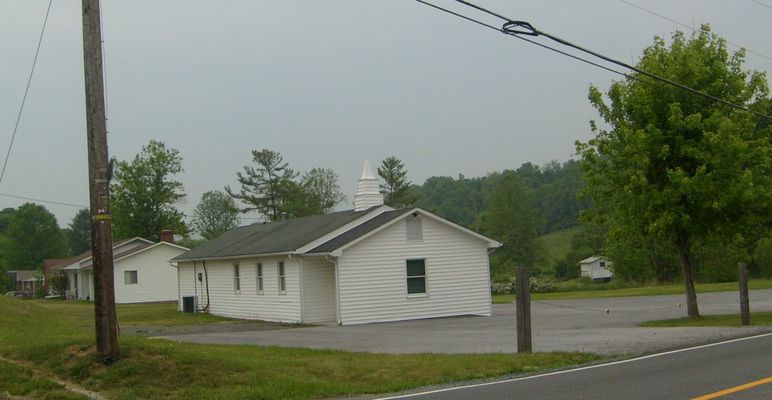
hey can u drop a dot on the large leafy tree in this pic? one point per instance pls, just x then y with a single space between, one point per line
321 190
215 214
268 187
512 219
396 188
32 236
79 232
675 166
144 193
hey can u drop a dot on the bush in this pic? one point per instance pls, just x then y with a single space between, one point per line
536 284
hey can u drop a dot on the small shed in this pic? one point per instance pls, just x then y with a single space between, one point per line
596 268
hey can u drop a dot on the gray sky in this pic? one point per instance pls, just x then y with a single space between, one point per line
323 82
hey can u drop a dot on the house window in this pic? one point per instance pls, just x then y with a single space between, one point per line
603 264
259 273
416 276
414 230
282 278
129 277
236 278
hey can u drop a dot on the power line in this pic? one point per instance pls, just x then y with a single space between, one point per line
516 28
478 22
762 4
26 90
690 28
61 203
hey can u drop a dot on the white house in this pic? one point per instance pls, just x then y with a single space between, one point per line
598 268
369 264
142 272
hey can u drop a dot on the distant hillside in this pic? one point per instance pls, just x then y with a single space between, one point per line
558 243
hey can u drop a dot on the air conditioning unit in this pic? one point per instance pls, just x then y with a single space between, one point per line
189 304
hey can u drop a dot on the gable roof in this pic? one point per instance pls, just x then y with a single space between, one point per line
359 231
272 238
592 259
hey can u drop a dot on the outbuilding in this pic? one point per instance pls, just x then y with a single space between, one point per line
370 264
596 268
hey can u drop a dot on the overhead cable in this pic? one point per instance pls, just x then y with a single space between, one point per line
26 90
656 14
517 28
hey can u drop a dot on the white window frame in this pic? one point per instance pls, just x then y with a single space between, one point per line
281 272
417 234
425 277
236 278
126 275
259 281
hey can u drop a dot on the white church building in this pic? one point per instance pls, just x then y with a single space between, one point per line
370 264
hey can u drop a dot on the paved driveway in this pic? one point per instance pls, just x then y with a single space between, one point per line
558 325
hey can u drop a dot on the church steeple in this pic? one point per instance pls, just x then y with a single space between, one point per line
368 192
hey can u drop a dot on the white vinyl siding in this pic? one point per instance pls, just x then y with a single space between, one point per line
268 306
372 275
156 279
318 290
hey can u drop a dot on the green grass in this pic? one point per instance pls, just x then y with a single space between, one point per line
601 290
21 381
558 243
57 339
757 319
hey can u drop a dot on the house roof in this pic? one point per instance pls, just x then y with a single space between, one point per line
359 231
271 238
591 260
84 261
321 234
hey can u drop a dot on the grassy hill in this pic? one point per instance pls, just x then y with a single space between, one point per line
558 243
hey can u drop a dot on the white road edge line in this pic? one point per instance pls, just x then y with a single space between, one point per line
567 371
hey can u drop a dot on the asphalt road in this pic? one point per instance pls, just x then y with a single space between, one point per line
680 374
558 325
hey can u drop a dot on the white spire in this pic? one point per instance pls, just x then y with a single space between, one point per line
368 191
367 171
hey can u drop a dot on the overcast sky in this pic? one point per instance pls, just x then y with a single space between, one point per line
324 82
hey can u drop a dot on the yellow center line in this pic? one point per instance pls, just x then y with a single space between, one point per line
734 389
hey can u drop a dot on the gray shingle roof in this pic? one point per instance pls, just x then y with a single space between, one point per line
358 231
274 237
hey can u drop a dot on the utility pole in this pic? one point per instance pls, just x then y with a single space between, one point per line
99 187
745 309
523 310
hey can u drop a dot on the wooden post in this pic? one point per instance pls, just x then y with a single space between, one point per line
745 311
523 311
99 187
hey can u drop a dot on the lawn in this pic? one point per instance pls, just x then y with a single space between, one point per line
57 339
757 319
604 290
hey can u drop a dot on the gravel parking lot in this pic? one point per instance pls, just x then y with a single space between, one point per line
606 326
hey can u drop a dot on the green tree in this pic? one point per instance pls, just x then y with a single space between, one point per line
512 219
144 193
762 256
269 187
321 190
5 218
215 214
675 166
396 187
79 232
33 235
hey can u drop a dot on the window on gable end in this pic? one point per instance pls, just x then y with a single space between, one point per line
414 228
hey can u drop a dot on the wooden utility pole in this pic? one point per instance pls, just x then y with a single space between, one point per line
523 292
99 187
745 309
